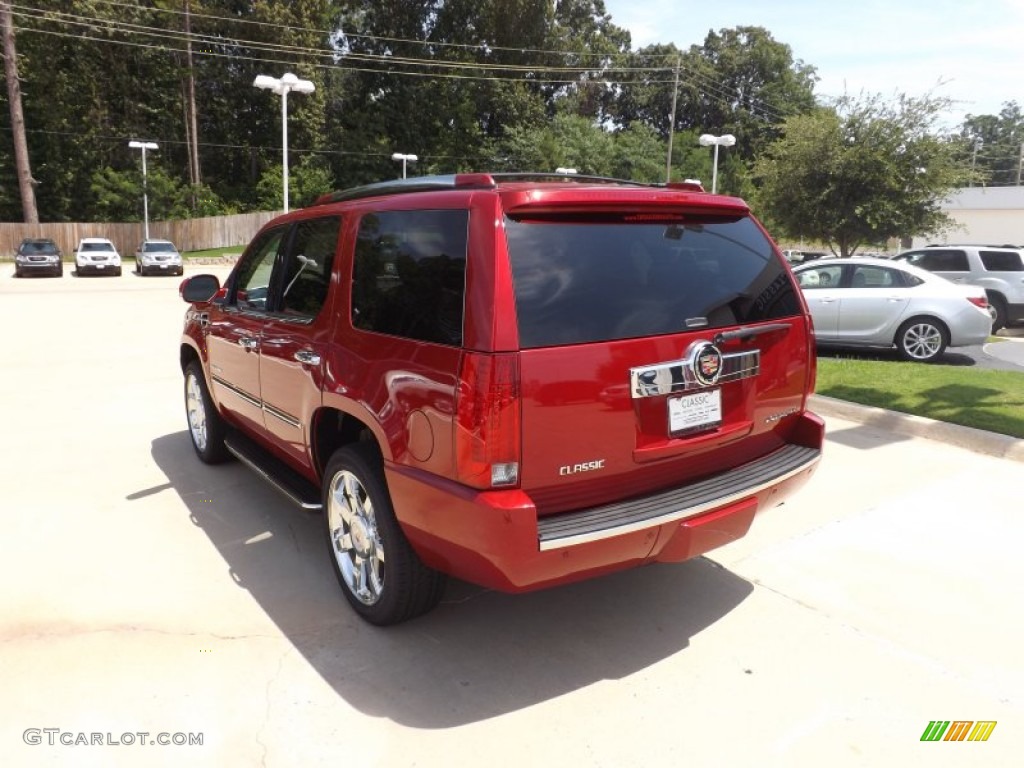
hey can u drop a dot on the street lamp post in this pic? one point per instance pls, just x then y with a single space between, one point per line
707 140
144 145
404 158
281 86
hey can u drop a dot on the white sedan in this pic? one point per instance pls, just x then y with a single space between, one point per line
880 303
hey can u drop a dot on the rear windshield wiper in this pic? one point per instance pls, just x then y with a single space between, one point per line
749 333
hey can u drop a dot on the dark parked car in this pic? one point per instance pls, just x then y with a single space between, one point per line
520 380
38 256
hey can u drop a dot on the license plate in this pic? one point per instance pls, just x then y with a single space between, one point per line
690 413
100 266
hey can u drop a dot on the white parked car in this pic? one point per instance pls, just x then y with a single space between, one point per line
882 303
97 255
997 269
158 257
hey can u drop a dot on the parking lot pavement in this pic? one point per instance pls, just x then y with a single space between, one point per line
1009 351
150 593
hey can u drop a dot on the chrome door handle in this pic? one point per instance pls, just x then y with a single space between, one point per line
248 343
306 357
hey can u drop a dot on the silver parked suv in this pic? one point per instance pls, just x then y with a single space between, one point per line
999 269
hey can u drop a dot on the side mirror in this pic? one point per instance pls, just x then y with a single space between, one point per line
199 288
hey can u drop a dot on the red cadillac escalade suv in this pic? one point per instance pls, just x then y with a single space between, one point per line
519 380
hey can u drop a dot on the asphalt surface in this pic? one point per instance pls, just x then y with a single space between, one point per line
148 593
1006 354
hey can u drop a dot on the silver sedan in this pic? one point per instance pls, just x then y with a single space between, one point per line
881 303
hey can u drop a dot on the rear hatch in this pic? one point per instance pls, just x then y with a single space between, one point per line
658 346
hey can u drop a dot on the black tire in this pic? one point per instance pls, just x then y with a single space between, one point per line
998 304
60 271
117 272
922 340
17 272
361 526
205 426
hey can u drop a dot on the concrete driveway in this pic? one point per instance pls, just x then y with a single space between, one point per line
150 594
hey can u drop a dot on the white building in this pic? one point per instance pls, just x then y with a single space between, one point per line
983 215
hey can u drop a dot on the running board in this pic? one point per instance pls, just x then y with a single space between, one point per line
285 479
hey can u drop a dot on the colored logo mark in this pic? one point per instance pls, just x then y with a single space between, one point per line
958 730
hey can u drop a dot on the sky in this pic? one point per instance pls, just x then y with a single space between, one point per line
970 52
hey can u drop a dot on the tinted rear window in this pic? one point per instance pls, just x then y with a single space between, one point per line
939 260
409 277
1001 261
592 279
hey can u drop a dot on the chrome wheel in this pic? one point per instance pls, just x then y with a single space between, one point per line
196 409
921 340
355 541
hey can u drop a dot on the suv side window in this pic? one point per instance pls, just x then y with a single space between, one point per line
308 266
409 276
1001 261
252 287
940 260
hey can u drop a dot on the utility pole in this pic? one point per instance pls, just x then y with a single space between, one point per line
1020 164
21 162
672 126
192 129
974 157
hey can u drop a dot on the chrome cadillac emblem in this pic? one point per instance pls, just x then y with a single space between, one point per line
706 363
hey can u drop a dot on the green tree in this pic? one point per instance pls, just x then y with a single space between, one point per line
307 180
994 145
861 172
740 81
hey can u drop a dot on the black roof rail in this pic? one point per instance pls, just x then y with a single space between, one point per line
481 181
973 245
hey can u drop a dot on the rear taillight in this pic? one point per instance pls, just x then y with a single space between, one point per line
978 301
487 434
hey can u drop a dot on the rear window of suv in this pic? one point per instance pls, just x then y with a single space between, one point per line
590 278
1001 261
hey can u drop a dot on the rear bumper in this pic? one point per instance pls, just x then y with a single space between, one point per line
969 328
496 540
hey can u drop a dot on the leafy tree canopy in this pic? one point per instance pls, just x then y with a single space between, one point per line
860 172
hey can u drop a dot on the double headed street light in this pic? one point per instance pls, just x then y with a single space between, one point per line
404 159
707 140
144 145
281 86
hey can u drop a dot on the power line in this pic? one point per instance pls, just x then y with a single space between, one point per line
702 82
